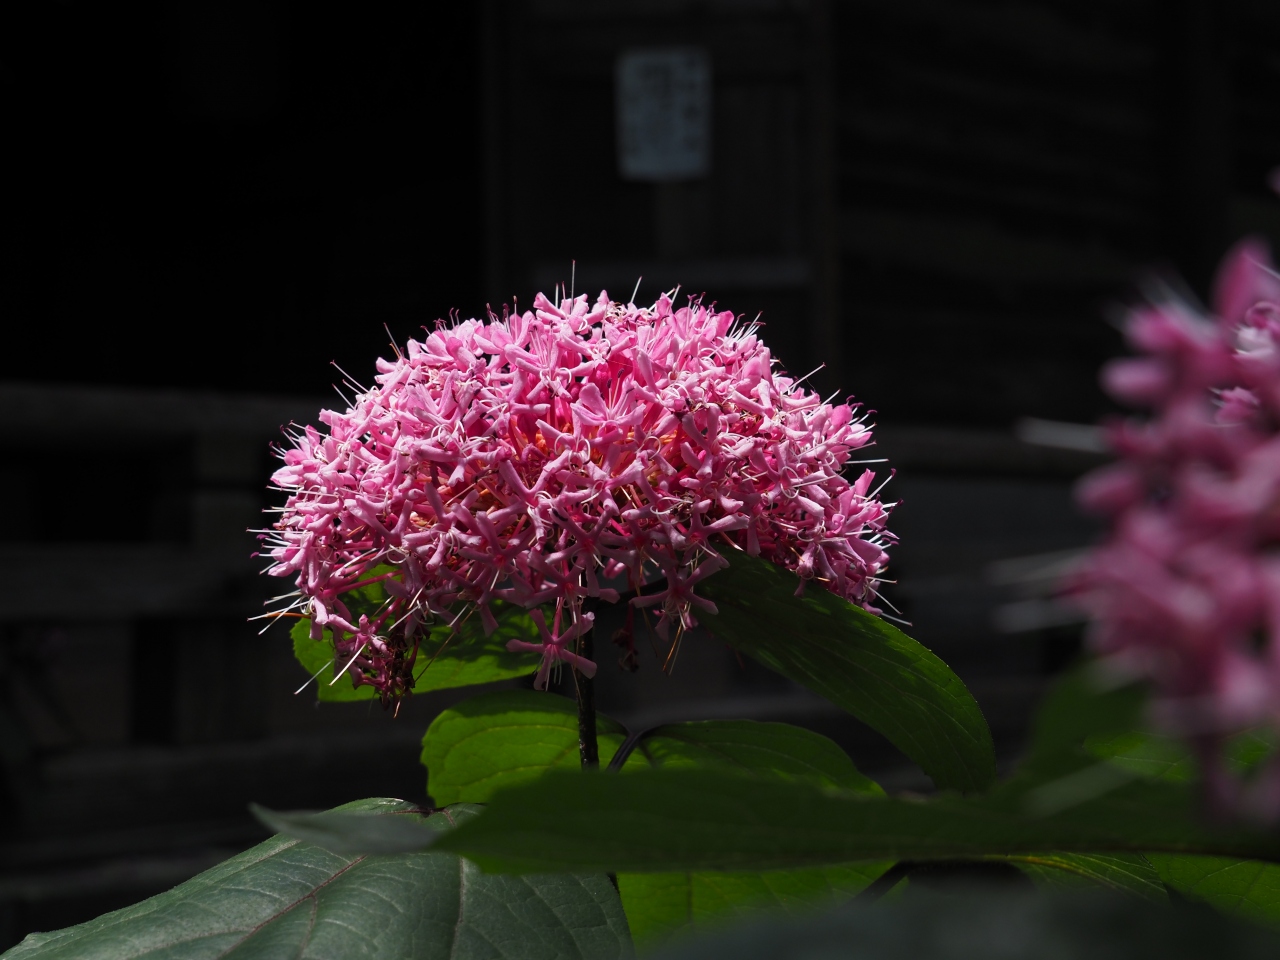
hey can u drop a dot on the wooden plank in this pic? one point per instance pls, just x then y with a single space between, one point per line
981 248
493 96
1040 33
583 11
109 581
58 410
961 89
960 451
711 275
137 788
824 195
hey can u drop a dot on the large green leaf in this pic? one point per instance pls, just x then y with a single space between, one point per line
1084 720
857 661
316 657
498 740
354 832
1081 708
776 750
287 898
991 925
1121 872
1156 756
711 820
1146 755
1247 888
660 906
465 656
502 739
1088 716
447 658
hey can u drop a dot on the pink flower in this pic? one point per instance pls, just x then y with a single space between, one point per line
554 646
1186 592
552 456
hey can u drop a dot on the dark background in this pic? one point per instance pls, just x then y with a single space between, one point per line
230 196
946 202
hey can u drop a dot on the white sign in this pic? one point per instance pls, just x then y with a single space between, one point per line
664 114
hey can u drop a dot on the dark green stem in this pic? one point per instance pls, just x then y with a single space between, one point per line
588 744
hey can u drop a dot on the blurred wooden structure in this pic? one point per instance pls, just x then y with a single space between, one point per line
938 200
757 235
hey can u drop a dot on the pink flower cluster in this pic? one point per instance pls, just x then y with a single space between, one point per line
555 455
1187 589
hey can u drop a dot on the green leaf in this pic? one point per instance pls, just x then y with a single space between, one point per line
287 898
1086 720
1146 755
371 832
1086 717
1080 732
1081 707
1160 757
660 906
467 657
1246 888
857 661
1122 872
693 820
1083 720
777 750
1247 750
446 658
498 740
316 657
993 925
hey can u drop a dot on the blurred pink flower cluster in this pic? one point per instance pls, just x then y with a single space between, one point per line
1187 589
540 457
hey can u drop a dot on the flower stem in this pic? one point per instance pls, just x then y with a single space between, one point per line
588 745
